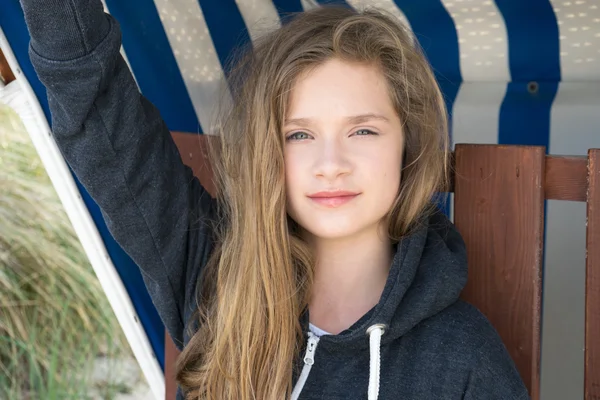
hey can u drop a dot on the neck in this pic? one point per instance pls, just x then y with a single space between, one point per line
350 275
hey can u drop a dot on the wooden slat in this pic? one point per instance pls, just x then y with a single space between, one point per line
499 200
592 286
193 150
5 71
171 353
566 178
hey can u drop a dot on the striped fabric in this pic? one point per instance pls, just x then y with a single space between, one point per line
512 71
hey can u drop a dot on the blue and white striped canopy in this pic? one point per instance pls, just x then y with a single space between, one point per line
487 56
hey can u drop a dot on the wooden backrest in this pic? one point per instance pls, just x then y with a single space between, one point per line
499 198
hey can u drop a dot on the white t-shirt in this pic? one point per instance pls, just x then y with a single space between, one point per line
317 331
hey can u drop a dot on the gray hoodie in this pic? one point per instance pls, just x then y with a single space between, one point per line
419 342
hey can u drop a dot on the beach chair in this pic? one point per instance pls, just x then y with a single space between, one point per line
499 208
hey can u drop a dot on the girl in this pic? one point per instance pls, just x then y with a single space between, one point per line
321 270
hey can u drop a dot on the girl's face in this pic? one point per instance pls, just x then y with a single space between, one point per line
342 134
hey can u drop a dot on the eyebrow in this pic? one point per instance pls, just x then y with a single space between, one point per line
354 119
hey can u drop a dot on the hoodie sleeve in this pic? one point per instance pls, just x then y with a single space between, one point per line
120 149
494 376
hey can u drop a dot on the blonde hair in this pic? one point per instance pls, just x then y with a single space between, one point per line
257 282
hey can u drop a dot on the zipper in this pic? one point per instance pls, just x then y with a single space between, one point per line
309 360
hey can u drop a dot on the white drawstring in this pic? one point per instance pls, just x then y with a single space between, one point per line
375 332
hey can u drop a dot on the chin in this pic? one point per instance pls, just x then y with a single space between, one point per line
331 234
331 230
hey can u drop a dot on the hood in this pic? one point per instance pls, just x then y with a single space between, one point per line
428 273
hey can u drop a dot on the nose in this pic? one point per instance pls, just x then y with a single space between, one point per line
331 160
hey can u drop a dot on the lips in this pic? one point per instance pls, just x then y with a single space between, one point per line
333 199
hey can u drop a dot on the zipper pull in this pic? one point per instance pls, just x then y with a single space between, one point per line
311 347
309 360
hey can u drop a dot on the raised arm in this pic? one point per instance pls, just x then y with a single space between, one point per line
121 150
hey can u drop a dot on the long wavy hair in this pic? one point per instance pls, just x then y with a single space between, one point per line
257 282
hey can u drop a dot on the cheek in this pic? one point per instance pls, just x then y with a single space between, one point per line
292 182
390 181
387 166
290 173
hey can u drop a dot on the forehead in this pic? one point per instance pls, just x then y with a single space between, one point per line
340 88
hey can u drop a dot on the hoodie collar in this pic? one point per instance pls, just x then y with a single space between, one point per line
428 273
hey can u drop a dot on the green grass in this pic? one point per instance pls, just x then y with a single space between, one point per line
54 317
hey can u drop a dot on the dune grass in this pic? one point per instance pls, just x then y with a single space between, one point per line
55 319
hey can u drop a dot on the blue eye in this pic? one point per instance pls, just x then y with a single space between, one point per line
296 136
364 132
